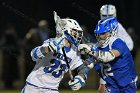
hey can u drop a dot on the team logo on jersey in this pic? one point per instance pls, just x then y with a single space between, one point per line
61 56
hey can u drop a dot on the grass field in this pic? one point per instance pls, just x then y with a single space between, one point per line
61 91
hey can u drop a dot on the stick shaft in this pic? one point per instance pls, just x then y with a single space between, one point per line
70 73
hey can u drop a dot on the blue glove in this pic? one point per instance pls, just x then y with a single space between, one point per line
77 83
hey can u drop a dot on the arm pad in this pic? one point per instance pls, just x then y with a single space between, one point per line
105 56
38 52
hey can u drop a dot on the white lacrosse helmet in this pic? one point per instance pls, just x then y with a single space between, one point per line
69 29
107 10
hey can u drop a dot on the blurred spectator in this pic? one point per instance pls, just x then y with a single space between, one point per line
33 38
43 30
10 53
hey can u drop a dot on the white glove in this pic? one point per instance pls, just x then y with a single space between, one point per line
89 63
90 66
77 83
84 46
53 47
56 45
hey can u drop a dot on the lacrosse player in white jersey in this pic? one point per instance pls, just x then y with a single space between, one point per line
51 63
110 10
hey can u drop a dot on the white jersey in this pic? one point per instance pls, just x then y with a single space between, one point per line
122 34
49 71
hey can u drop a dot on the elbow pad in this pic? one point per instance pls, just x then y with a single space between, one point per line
105 56
37 52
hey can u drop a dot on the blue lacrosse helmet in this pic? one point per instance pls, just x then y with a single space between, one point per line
105 25
114 23
108 24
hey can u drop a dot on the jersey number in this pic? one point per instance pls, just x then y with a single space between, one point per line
105 70
56 68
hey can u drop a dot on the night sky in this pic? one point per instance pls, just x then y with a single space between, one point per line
24 14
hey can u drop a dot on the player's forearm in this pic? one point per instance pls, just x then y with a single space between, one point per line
83 71
106 56
39 52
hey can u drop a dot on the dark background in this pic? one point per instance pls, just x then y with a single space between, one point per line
128 12
25 14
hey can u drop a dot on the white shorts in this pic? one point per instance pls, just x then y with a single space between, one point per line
33 89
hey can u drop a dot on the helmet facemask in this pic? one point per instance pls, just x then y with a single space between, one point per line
69 29
105 30
103 41
73 36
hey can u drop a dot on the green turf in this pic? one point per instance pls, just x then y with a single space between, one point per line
9 91
80 91
61 91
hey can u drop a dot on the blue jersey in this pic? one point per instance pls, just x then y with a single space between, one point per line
119 72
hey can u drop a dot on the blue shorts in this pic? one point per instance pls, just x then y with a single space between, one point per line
131 88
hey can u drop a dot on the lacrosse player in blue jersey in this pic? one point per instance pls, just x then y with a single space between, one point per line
51 63
110 10
112 58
